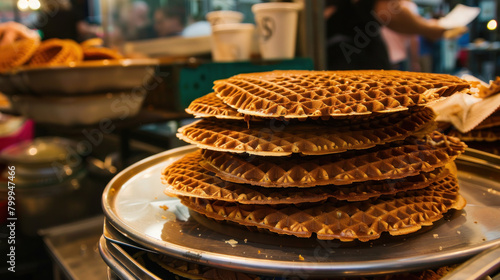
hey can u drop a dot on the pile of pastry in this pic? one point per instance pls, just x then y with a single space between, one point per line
346 155
51 52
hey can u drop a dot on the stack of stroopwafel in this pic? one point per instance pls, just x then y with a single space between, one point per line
340 155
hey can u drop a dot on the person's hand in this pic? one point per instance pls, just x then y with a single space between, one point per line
13 31
455 32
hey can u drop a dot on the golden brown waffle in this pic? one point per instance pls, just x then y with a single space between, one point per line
100 53
18 53
489 147
211 106
92 43
187 178
491 121
380 163
301 94
493 89
273 138
192 270
403 213
56 52
488 134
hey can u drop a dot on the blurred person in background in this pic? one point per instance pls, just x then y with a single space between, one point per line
171 19
403 49
353 33
135 23
64 19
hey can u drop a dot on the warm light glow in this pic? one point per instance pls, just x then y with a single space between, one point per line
492 24
32 151
23 5
34 4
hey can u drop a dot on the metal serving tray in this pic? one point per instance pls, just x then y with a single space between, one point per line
133 202
88 77
118 260
117 251
73 248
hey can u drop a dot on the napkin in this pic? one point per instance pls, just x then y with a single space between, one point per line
464 110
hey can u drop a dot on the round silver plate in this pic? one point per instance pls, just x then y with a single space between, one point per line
134 203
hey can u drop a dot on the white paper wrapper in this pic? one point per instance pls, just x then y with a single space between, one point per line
465 111
460 16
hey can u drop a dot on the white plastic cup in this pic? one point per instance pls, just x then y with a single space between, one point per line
223 17
277 28
232 42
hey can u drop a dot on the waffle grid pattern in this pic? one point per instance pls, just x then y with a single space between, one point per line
301 94
487 134
386 162
491 121
56 51
342 155
211 106
191 270
309 138
401 214
18 53
187 178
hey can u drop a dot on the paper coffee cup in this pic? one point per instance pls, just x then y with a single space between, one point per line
232 41
223 17
277 28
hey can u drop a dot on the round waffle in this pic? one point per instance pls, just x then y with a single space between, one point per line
380 163
302 94
18 53
187 178
491 121
492 89
191 270
487 134
274 138
100 53
403 213
211 106
55 52
489 147
92 43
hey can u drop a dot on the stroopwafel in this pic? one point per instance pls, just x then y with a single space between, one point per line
403 213
487 134
56 52
491 121
18 53
211 106
273 138
187 178
380 163
100 53
92 43
302 94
